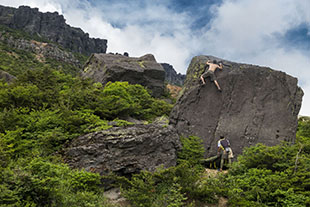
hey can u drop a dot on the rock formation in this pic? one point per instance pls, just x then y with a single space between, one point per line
6 76
144 70
172 77
257 105
53 27
125 150
42 50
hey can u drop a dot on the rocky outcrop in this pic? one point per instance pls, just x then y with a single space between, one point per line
172 77
6 76
42 50
53 27
257 105
109 67
125 150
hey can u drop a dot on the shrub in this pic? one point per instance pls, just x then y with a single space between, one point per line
120 99
192 150
40 182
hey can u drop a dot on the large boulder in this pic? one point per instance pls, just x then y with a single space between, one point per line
257 105
125 150
143 70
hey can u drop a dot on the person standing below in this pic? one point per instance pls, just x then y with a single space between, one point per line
224 151
210 73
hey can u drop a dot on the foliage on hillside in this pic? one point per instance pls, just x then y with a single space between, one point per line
40 112
46 108
14 60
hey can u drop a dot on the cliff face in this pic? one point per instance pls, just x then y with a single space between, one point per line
257 105
172 77
41 50
53 27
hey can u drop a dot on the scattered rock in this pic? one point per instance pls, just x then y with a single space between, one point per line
257 105
115 197
143 70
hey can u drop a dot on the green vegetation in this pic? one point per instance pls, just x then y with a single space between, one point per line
183 185
47 107
40 182
19 34
40 112
262 176
15 61
192 150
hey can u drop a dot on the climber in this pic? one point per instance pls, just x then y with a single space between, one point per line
224 151
210 72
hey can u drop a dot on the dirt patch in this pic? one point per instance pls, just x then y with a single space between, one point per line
174 90
213 173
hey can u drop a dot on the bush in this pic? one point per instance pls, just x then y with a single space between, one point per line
192 150
271 176
158 189
39 182
120 99
262 187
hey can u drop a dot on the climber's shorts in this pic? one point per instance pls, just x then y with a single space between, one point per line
210 74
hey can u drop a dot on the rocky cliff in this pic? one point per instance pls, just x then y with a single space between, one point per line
172 77
257 105
143 70
42 50
53 27
125 150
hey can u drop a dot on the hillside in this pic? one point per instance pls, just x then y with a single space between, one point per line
42 110
20 51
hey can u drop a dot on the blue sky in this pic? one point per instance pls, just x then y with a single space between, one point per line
273 33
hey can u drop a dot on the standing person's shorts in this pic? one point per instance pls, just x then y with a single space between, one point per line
210 74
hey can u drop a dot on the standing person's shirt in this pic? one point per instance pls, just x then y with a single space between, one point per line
224 143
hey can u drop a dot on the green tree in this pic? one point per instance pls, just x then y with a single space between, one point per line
192 150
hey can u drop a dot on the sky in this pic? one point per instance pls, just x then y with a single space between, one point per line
273 33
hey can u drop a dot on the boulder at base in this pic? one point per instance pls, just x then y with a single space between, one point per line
125 150
257 105
144 71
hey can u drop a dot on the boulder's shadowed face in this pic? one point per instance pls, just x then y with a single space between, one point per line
257 105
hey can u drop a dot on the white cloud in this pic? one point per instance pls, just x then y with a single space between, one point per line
43 5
